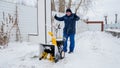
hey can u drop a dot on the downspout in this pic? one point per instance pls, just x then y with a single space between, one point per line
45 23
51 19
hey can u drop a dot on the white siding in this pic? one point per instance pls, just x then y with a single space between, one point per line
6 9
41 22
27 18
44 16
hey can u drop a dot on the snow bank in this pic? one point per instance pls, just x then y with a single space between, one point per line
15 53
98 50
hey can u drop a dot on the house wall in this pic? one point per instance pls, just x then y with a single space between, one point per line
27 19
44 22
34 23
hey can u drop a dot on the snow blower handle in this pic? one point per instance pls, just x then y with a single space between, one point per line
54 42
59 27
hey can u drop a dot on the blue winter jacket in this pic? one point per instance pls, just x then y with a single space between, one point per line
70 23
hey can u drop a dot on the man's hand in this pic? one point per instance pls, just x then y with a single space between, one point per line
55 16
76 17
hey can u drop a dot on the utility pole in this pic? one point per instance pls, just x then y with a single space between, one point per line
116 15
105 19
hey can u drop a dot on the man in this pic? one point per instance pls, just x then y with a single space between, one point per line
69 29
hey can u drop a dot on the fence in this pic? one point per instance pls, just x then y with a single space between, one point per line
112 26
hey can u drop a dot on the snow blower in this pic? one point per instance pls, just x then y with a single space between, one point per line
53 52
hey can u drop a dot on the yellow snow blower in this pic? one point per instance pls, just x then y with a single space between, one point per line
53 52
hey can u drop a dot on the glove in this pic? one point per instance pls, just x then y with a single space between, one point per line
55 16
75 15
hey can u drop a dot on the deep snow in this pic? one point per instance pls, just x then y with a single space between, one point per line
93 50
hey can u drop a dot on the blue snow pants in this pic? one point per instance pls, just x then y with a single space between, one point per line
72 42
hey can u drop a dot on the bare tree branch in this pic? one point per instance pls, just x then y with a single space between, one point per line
69 4
62 6
53 5
78 6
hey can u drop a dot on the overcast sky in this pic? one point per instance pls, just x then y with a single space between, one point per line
104 7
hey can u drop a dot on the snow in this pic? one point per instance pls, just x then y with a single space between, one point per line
113 30
93 50
16 52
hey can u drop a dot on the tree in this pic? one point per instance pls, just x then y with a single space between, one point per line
78 6
70 3
83 5
53 5
62 6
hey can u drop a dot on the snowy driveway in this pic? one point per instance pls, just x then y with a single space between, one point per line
93 50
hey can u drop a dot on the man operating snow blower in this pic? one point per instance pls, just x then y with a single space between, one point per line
69 29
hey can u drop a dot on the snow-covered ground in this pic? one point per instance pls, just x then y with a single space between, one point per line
93 50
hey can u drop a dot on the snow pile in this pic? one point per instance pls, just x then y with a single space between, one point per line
113 30
16 53
98 50
93 50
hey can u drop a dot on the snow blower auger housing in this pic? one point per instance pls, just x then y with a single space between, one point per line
53 52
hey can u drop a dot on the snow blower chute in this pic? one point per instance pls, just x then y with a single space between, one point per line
54 51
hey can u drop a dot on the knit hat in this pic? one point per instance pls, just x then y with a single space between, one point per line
68 10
